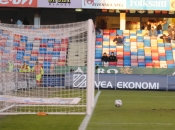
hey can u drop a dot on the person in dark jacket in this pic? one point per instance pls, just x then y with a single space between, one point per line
105 58
118 40
159 27
112 58
149 25
166 39
11 21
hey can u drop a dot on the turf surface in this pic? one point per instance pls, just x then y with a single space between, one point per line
141 110
33 122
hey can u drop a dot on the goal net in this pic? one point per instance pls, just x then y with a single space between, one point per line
47 69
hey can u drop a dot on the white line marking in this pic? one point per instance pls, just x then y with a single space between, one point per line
87 118
106 123
136 96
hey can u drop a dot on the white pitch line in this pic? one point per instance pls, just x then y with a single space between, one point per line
106 123
87 118
137 96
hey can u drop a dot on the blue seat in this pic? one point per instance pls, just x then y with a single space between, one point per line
141 53
98 63
16 44
29 48
139 40
33 58
99 36
141 63
55 54
56 41
126 37
133 34
1 48
26 54
24 37
127 43
98 43
29 44
23 40
112 46
120 32
43 40
162 58
139 31
127 57
170 66
161 45
6 51
148 61
9 44
133 53
50 45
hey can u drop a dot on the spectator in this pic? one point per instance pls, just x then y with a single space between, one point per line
172 35
153 25
170 29
97 30
104 59
24 68
153 32
165 26
11 21
39 71
19 22
149 25
159 27
112 58
25 21
118 40
165 38
143 27
145 32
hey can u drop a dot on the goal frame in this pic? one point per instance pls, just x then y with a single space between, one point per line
90 76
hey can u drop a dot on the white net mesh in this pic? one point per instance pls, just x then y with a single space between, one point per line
43 69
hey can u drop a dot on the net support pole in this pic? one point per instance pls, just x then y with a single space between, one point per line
90 66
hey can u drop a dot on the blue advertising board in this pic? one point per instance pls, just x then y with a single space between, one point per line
137 82
171 83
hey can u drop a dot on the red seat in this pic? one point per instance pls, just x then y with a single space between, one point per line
21 48
149 64
43 45
57 49
127 53
99 39
34 52
112 63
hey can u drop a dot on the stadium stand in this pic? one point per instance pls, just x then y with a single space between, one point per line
137 51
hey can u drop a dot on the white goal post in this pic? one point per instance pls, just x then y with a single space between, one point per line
50 69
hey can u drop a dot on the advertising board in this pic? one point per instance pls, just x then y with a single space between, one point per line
18 3
60 3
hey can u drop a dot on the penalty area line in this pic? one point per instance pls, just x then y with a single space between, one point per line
87 118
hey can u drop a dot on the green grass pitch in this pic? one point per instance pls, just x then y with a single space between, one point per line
141 110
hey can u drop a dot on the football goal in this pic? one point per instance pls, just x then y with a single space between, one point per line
47 69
